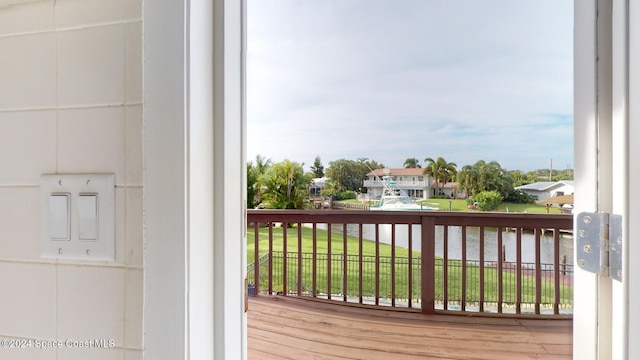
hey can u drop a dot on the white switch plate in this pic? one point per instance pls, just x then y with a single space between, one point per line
93 240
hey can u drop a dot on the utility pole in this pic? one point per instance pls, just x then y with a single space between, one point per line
551 170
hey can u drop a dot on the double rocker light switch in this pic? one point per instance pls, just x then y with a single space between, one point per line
78 216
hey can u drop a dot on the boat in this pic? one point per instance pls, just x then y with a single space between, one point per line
395 199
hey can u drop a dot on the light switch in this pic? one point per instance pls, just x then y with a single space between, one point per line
59 216
79 209
88 217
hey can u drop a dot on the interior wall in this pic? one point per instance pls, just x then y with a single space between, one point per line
70 102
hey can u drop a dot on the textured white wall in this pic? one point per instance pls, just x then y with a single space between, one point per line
70 101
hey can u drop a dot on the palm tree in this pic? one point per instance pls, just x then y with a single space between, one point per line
412 163
254 191
485 176
262 164
285 186
441 170
467 179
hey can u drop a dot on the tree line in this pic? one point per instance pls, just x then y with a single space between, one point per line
285 185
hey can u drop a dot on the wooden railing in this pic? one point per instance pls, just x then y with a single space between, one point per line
409 262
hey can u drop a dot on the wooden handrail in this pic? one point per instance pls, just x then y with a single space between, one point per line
292 262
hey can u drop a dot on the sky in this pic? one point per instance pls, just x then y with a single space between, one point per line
388 80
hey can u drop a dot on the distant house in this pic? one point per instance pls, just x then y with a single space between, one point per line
548 189
447 190
315 191
411 180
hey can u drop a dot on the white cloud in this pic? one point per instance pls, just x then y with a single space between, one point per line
387 80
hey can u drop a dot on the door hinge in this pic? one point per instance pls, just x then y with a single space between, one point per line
599 244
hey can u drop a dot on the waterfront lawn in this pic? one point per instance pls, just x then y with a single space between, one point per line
461 205
369 273
368 247
528 208
447 204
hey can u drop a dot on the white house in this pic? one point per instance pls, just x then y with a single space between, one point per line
448 190
315 191
546 189
411 180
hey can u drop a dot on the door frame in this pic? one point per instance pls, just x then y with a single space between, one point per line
606 86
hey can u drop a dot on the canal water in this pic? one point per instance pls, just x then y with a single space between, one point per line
473 236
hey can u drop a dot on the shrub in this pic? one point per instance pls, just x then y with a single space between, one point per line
346 195
488 200
520 197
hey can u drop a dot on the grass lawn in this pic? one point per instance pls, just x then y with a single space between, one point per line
529 208
448 204
369 270
461 205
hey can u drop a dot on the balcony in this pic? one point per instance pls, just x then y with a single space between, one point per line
496 268
402 184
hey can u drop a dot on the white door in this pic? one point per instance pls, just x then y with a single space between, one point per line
607 164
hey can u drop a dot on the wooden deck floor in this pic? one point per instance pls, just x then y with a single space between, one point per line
290 328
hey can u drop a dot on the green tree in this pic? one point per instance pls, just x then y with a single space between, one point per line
483 176
519 178
252 179
551 175
253 173
350 174
330 189
412 163
370 164
563 175
441 170
317 169
262 164
284 186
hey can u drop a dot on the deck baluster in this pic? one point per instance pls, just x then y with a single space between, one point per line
270 258
500 263
314 270
556 271
256 258
329 261
393 264
445 267
463 304
284 259
345 259
518 271
377 264
481 269
299 259
360 271
410 266
538 270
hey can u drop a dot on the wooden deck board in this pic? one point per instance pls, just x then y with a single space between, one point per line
291 328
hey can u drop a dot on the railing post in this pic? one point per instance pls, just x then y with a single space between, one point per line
270 283
284 259
256 258
427 277
299 259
